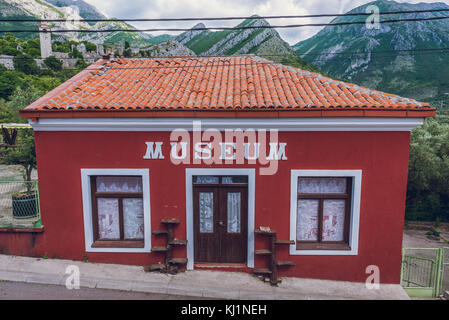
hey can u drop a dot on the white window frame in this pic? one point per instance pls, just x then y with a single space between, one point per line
87 206
356 176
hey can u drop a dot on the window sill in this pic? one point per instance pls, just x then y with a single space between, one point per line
4 229
118 244
323 246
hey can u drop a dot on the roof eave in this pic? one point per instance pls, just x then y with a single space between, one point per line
292 113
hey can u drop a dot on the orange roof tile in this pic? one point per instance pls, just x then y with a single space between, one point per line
231 83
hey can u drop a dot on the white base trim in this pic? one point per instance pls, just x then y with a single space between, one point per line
355 209
281 124
87 206
251 173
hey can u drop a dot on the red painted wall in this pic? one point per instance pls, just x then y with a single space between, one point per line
382 156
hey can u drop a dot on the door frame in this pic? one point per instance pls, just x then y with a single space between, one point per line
190 172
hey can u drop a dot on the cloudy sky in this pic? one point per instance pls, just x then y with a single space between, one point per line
227 8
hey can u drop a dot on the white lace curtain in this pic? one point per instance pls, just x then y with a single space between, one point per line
206 204
234 203
119 184
333 210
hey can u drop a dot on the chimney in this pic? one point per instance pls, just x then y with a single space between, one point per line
45 38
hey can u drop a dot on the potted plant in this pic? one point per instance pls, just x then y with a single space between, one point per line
24 203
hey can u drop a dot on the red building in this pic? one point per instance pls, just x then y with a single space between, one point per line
225 145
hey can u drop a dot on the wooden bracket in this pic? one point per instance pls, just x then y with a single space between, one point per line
171 265
272 271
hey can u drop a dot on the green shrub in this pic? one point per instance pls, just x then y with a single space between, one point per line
53 63
26 64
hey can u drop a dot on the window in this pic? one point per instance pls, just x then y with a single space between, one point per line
325 208
116 210
323 213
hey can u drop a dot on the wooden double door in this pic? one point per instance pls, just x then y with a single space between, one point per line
220 205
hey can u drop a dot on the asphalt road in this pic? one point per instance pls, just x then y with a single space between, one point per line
30 291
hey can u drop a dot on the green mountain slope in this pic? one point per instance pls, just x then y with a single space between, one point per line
263 42
12 11
421 74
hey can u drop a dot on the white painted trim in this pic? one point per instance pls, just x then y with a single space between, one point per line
281 124
355 209
87 206
251 173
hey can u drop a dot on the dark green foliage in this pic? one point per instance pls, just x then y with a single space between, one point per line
20 99
127 52
76 54
53 63
8 45
428 180
32 48
90 47
58 46
9 80
26 64
6 115
298 62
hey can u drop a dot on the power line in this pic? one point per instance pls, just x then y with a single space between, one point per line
266 55
224 28
230 18
215 64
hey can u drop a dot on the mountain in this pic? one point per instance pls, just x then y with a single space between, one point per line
135 39
385 59
166 49
263 42
86 10
56 9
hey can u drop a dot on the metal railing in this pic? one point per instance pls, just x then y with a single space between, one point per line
19 204
425 271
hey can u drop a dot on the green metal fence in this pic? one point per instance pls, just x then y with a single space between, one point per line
425 271
19 204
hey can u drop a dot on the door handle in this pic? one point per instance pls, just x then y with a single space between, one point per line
221 223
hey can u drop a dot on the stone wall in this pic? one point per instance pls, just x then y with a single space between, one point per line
7 61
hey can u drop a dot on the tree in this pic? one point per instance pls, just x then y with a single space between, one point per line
76 54
24 154
25 64
90 47
6 115
22 98
428 179
127 52
8 83
53 63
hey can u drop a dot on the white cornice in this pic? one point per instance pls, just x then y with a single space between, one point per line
168 124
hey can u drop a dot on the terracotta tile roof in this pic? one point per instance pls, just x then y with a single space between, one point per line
231 83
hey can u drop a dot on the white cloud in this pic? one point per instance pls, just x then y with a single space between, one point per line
227 8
